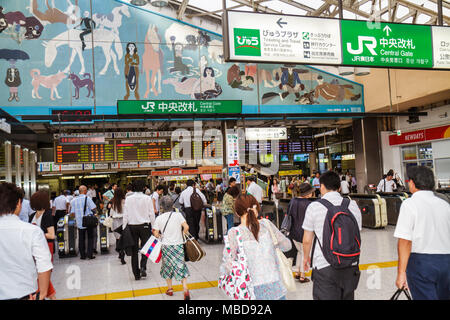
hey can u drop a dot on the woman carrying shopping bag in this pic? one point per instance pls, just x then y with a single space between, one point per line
254 238
168 226
116 213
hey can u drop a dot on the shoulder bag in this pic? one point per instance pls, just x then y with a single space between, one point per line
89 221
237 283
192 250
285 264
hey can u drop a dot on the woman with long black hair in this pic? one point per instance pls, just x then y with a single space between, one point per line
117 204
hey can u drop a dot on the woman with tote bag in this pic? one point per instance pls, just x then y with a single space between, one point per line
170 227
253 241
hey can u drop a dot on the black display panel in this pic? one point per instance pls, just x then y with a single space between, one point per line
143 150
84 153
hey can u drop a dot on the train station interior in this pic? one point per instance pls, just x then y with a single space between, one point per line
85 111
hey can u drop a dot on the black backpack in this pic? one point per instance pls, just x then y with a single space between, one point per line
341 238
196 201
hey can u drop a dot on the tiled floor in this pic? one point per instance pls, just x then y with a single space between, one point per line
105 278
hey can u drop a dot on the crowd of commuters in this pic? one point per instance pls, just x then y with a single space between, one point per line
27 233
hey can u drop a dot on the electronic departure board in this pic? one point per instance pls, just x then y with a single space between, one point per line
304 145
143 150
85 153
201 149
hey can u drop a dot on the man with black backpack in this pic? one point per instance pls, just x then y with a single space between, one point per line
331 227
193 201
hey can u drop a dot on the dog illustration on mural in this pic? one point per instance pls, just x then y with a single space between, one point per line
50 82
113 20
81 83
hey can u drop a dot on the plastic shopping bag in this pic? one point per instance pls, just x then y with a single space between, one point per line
152 249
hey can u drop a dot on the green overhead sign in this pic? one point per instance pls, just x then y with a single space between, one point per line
178 106
390 45
290 39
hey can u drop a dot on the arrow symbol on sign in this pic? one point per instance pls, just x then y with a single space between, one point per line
387 30
280 23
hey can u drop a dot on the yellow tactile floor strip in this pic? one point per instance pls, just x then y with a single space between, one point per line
195 286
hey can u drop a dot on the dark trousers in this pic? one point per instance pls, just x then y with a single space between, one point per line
335 284
193 221
82 242
428 276
140 232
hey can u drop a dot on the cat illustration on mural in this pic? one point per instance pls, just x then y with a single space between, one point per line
3 22
132 71
51 82
81 83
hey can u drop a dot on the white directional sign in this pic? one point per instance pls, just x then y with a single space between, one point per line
283 38
265 133
441 47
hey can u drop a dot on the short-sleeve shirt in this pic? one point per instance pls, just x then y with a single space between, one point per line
155 196
77 206
60 203
424 219
173 234
26 210
315 218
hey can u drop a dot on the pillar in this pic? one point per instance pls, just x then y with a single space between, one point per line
8 161
26 173
367 147
33 168
312 162
17 165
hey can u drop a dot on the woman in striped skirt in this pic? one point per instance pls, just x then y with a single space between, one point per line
168 228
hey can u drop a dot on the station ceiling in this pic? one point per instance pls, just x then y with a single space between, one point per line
401 11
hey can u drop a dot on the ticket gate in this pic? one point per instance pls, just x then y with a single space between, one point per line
444 193
283 205
269 211
66 237
393 203
373 210
102 238
213 224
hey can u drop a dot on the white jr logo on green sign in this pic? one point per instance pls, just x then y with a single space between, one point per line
370 42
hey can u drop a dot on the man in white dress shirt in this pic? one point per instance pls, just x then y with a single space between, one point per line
61 205
423 232
139 216
25 259
387 184
254 189
328 283
192 216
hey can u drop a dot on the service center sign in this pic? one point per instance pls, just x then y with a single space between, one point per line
282 38
257 37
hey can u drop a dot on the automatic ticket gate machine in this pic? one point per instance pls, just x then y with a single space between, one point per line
373 210
393 203
213 224
103 239
66 237
269 211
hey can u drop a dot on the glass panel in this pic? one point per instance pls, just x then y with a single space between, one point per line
409 153
406 165
443 172
425 151
427 163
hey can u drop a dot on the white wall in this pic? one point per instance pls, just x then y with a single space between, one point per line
391 154
441 149
436 117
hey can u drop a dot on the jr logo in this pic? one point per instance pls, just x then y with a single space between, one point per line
369 42
150 105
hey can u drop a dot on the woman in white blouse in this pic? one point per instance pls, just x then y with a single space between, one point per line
117 205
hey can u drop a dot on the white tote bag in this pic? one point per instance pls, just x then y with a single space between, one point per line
152 249
285 264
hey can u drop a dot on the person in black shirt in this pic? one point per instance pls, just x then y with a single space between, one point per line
297 209
89 26
42 217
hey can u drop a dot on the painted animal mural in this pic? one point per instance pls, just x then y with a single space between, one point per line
86 41
132 71
81 83
53 15
3 22
21 27
152 61
51 82
113 20
71 38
